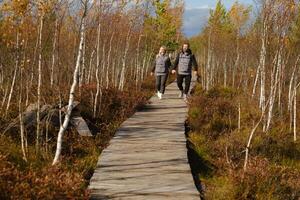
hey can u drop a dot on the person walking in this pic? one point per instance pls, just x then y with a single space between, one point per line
185 61
161 66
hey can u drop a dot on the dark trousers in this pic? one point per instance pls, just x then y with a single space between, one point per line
187 79
161 81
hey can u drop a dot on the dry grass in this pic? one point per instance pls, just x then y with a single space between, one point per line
273 171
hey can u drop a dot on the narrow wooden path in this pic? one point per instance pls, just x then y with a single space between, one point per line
147 159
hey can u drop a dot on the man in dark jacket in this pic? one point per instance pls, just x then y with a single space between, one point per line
161 66
184 63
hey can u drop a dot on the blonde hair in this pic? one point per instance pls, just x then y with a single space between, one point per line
164 47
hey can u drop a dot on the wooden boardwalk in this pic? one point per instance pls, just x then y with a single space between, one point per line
147 159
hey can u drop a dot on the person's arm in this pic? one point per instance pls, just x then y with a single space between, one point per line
194 63
175 64
153 66
169 64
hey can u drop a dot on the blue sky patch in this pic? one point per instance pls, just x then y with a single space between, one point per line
197 13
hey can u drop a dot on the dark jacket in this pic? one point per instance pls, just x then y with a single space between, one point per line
184 62
161 65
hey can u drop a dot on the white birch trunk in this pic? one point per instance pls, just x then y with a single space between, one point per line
53 54
122 78
143 68
274 83
34 61
236 64
225 71
256 81
295 115
108 66
39 84
82 66
209 58
239 120
113 74
97 69
249 142
22 128
292 84
262 67
90 67
251 136
137 64
72 90
15 74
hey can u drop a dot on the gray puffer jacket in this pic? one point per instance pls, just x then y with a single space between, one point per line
184 62
161 65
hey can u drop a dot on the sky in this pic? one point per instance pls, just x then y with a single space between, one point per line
197 13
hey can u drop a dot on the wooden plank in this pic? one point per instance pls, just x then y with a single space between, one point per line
147 159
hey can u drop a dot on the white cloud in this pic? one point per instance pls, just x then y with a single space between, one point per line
195 19
204 7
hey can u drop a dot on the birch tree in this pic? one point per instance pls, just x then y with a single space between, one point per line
239 15
40 35
73 86
97 63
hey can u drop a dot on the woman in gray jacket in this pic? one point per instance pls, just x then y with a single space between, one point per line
161 66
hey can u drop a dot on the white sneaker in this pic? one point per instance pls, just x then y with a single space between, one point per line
180 94
184 97
159 95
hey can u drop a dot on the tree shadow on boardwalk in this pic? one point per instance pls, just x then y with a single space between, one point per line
100 197
147 157
133 193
